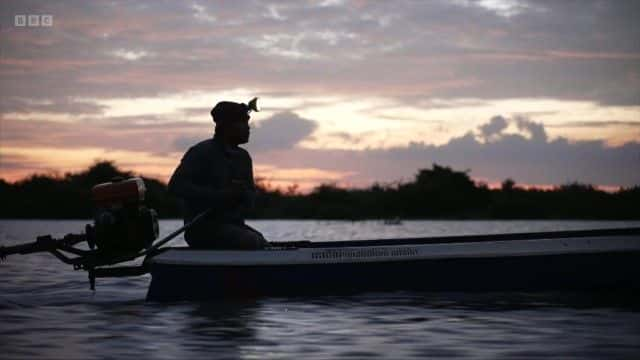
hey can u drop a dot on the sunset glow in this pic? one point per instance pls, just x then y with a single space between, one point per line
352 93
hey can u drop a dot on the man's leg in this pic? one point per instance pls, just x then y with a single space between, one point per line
240 237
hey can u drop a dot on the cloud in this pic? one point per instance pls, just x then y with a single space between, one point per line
182 143
483 49
435 53
130 55
153 134
281 131
58 105
595 124
13 162
531 158
345 136
124 133
535 159
504 8
197 111
494 127
535 130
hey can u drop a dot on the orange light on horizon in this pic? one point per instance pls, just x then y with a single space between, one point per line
56 162
546 187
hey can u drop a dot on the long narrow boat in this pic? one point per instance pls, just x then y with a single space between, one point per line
592 260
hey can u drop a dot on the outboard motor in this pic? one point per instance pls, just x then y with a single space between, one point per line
122 227
122 224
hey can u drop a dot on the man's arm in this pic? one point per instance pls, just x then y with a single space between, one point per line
183 184
251 186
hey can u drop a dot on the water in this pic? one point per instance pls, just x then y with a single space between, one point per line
47 310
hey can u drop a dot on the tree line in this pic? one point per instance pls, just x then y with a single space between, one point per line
438 192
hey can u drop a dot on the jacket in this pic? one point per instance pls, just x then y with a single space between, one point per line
205 171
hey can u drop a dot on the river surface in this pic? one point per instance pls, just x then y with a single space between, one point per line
48 312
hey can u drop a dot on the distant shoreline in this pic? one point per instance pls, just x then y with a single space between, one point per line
356 220
438 193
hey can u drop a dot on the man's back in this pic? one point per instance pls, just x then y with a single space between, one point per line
205 172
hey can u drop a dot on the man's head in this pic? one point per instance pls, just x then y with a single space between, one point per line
232 120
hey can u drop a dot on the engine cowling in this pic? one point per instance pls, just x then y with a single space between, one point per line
122 224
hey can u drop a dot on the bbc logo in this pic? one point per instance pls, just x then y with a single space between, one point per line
33 20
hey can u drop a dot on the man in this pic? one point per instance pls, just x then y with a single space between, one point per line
216 174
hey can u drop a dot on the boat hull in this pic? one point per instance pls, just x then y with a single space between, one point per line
598 263
582 272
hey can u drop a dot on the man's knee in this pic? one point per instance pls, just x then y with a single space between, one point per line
251 241
239 237
228 237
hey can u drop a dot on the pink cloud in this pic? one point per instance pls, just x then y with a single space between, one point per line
592 55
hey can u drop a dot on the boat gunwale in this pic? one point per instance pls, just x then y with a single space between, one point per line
402 252
292 245
475 238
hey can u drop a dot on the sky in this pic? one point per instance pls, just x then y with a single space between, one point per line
352 92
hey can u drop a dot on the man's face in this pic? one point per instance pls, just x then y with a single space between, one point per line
239 131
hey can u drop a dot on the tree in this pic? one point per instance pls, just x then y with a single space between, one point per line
508 185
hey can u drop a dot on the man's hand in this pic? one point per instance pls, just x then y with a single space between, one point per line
236 192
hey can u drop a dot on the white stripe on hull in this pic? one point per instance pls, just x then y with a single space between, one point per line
357 254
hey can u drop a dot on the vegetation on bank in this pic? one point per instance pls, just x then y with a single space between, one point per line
439 192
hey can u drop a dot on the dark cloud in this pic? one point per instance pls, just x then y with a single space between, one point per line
494 127
17 162
183 143
63 104
204 112
532 160
535 130
595 124
345 136
154 134
560 49
281 131
144 137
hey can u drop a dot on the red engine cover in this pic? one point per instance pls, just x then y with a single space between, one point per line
130 191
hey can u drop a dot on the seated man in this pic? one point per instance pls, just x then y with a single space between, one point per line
216 174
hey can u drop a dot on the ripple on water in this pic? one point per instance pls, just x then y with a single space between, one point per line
47 311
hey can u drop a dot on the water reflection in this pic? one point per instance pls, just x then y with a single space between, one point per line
47 311
401 324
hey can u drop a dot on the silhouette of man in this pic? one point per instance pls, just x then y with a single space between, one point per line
217 174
